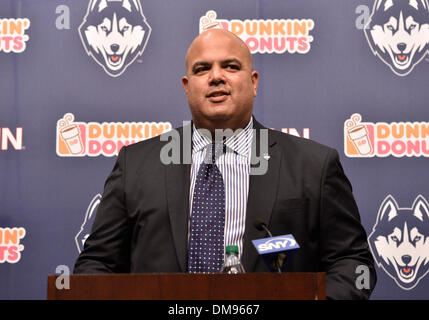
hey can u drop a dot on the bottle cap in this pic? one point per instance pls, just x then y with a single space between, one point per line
231 249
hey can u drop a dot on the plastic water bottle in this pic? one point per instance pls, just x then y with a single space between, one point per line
232 264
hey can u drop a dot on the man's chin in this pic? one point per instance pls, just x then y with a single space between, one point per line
218 114
218 121
219 117
224 122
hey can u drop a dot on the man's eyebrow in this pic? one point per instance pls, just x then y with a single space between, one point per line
232 60
198 64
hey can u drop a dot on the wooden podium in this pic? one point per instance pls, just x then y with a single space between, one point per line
182 286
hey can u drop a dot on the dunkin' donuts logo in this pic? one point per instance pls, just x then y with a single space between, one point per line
398 139
12 35
11 140
79 139
10 247
265 35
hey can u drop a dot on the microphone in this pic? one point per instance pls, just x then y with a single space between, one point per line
260 225
273 249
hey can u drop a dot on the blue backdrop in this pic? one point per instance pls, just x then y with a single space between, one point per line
66 109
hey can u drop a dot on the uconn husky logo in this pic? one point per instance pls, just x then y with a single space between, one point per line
400 241
114 33
398 33
85 229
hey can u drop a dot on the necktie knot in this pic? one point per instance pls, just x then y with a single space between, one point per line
214 151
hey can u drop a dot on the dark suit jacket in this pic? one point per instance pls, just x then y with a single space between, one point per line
141 224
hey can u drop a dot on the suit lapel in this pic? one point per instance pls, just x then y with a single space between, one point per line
177 186
261 198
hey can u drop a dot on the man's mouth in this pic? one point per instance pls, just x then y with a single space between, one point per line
217 95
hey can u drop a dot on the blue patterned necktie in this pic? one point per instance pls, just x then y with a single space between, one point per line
205 253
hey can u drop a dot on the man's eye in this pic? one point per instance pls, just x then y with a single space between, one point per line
200 69
233 66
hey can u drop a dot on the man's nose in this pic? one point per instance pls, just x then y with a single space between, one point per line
216 76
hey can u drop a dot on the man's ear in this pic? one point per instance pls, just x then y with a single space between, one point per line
255 81
185 84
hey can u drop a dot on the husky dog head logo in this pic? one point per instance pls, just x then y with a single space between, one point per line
114 33
398 33
85 229
400 241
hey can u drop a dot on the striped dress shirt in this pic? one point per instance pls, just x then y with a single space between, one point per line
234 165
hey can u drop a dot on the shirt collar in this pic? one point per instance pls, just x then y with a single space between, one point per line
239 142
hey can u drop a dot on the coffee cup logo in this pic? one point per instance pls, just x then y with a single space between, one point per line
209 22
358 134
70 134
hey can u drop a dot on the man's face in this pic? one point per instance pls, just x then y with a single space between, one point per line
220 83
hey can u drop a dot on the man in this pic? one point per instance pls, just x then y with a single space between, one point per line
150 214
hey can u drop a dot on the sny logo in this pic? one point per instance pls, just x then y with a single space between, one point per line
399 241
277 243
398 33
114 33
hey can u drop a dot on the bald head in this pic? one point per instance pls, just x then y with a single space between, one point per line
218 36
220 82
